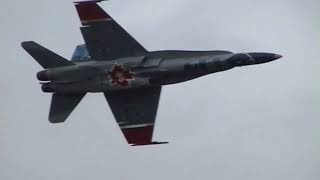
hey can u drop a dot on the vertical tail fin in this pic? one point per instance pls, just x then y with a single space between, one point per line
46 58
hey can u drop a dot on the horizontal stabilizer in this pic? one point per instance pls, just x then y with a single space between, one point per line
46 58
62 105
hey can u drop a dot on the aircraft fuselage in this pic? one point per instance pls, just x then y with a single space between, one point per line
154 69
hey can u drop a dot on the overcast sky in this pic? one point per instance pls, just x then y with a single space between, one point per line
252 123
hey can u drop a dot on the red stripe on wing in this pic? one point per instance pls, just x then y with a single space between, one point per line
90 11
138 135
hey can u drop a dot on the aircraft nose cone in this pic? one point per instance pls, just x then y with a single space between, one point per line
264 57
277 56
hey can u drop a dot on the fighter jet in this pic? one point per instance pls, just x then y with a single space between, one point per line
112 62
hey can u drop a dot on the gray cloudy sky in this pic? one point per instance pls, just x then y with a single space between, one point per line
259 122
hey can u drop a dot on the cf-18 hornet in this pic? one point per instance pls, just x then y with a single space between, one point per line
112 62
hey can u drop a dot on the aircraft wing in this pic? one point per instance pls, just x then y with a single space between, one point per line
135 112
104 37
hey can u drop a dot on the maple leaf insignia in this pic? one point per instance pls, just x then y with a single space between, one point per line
120 76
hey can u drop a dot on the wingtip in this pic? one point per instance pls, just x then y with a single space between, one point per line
151 143
88 1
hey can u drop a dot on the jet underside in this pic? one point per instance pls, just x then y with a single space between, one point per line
135 72
131 78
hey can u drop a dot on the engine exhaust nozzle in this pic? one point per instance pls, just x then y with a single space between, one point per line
43 75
